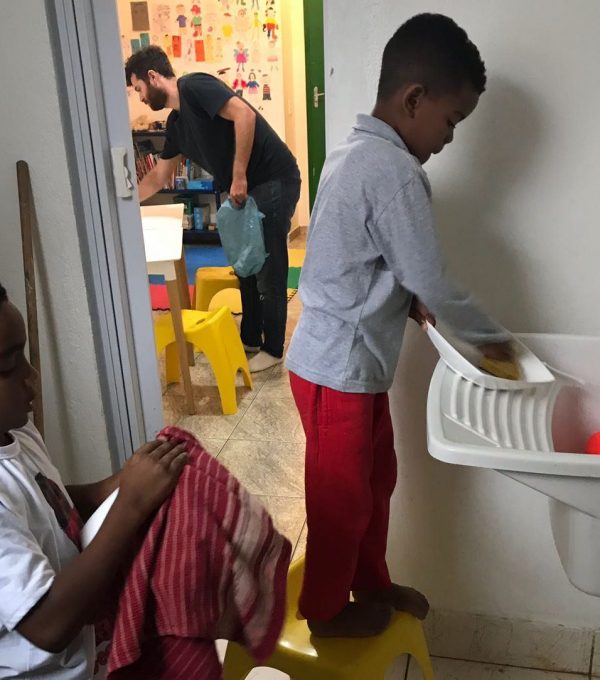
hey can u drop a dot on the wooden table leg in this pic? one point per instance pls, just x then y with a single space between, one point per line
184 296
182 281
182 350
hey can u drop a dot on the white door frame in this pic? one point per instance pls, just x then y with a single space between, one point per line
95 116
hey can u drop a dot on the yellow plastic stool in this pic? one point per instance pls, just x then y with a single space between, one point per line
209 281
216 335
304 657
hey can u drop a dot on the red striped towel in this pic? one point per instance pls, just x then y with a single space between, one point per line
211 566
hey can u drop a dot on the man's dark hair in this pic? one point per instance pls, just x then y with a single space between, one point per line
3 294
430 49
151 58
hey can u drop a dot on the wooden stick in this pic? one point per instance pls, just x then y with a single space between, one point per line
27 220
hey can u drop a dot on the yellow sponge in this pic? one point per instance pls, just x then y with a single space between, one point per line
509 370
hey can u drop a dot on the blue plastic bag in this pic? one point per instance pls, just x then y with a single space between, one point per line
241 232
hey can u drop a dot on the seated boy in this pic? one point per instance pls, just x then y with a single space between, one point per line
49 590
372 261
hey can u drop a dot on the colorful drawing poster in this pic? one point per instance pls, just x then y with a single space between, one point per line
176 41
200 54
135 45
145 39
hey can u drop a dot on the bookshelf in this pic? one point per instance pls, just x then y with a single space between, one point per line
148 145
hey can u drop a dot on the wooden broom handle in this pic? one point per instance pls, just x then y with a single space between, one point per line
27 218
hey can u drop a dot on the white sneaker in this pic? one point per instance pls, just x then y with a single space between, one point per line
262 361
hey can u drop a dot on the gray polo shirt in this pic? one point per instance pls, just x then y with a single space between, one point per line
371 246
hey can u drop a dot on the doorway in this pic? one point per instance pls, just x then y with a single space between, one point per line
263 443
266 64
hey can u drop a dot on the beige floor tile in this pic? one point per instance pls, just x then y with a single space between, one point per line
288 515
270 419
275 389
449 669
266 468
214 446
210 426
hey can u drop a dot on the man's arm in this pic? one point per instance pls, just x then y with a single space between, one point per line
244 123
87 497
147 479
156 179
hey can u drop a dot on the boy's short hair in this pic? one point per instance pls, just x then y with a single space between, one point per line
3 294
430 49
151 58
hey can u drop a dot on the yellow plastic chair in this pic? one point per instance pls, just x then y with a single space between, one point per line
216 335
304 657
209 281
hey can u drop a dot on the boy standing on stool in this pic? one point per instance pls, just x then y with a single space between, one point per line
372 261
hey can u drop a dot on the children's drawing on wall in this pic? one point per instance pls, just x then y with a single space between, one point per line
270 26
189 50
176 46
212 22
256 52
196 22
239 85
256 26
253 85
219 48
243 22
161 19
240 54
273 56
167 44
227 27
266 91
209 47
200 52
236 40
181 19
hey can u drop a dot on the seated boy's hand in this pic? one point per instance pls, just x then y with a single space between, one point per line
499 351
420 313
150 475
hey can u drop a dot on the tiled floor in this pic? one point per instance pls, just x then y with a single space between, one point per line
263 446
263 443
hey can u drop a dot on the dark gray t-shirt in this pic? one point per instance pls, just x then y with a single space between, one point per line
200 134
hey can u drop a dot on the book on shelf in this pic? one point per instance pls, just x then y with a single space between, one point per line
147 156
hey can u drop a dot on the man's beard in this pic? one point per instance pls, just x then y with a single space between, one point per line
155 98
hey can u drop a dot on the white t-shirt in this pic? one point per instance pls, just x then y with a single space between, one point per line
34 546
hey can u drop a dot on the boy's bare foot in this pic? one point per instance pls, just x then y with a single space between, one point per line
401 598
356 620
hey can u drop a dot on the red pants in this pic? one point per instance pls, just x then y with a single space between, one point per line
350 477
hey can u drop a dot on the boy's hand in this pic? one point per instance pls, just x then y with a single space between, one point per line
500 351
150 475
420 313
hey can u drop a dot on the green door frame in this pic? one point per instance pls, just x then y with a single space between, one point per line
315 99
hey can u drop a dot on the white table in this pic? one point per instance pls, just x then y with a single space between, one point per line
163 243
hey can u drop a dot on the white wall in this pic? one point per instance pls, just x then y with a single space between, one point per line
517 202
31 130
